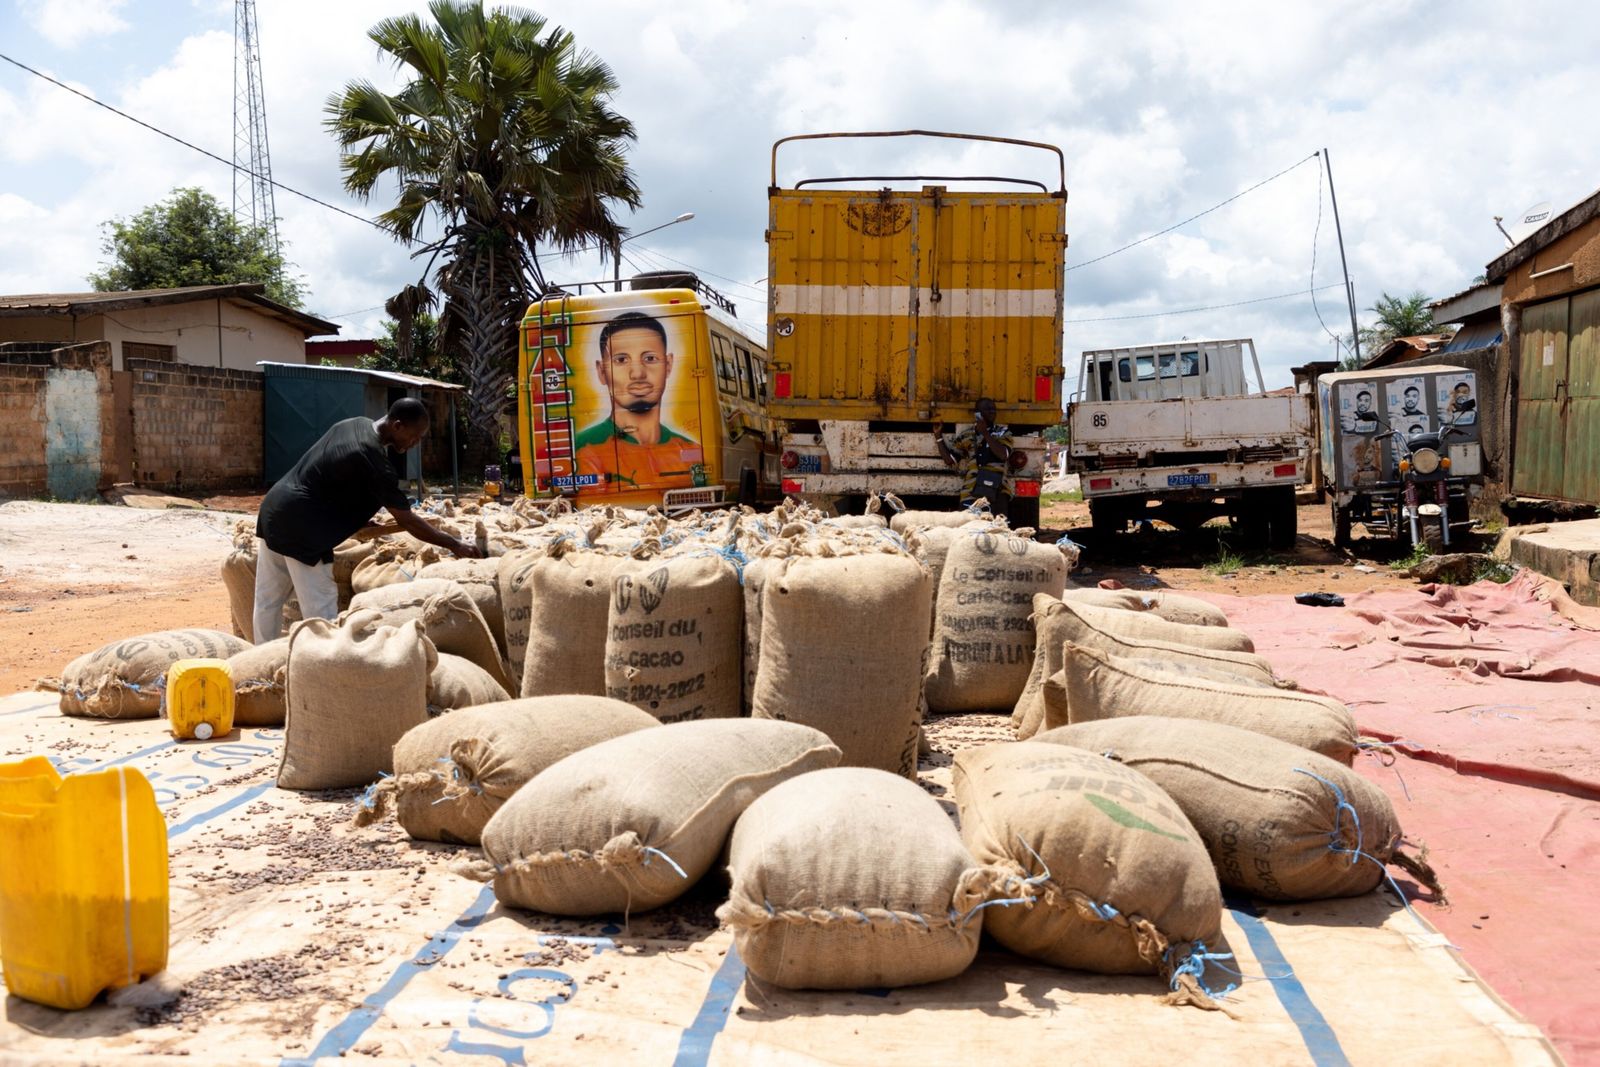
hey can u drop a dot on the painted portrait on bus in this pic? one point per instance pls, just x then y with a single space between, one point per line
633 430
1358 407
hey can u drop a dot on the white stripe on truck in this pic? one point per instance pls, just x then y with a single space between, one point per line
896 300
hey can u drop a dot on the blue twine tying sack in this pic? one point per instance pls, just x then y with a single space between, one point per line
1336 845
368 797
648 852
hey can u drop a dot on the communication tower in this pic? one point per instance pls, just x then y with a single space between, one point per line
253 201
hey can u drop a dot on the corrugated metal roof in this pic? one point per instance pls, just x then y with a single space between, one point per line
311 370
122 299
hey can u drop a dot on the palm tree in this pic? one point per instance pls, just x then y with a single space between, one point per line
503 137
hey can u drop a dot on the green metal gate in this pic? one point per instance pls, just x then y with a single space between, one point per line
1558 404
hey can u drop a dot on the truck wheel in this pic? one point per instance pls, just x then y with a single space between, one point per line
1341 525
1283 517
1024 511
1107 517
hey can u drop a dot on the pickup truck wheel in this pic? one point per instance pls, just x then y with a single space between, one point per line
1283 517
1107 517
1024 511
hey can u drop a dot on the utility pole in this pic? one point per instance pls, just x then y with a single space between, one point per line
1349 290
253 201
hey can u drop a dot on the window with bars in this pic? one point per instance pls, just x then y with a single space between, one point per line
140 350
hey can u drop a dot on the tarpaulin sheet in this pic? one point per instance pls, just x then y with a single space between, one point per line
1492 691
299 939
1487 679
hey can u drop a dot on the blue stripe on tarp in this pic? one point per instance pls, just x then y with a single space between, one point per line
694 1047
30 707
221 809
1321 1041
349 1030
132 756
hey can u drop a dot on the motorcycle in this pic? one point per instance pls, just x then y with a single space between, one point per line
1421 498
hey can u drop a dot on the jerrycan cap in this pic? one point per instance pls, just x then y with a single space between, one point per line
203 731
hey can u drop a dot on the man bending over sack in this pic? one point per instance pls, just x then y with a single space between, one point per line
333 491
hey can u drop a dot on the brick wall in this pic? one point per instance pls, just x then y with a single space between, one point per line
56 419
195 427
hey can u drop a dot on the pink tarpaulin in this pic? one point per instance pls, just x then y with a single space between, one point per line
1496 696
1487 679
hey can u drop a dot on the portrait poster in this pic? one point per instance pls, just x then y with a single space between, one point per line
1362 460
1358 407
629 416
1456 399
1406 401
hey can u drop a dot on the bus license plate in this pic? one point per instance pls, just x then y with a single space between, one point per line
1188 479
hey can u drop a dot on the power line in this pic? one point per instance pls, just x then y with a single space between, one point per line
698 270
1191 218
1208 307
192 147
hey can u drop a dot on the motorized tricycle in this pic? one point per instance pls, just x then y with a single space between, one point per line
1401 451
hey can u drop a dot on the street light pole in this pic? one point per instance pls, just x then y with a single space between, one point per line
616 247
1349 290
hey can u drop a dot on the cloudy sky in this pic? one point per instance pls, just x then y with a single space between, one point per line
1437 118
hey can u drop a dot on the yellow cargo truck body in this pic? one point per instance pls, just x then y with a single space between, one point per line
909 306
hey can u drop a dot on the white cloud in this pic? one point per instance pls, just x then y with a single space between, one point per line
65 23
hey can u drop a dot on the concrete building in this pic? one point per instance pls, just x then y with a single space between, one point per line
223 326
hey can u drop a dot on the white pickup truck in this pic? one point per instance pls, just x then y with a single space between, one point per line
1176 426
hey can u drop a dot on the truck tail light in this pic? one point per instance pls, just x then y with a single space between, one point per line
1284 470
791 486
1017 460
1043 388
782 385
1099 483
790 459
1027 488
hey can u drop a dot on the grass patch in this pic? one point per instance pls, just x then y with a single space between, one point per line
1074 497
1227 562
1419 552
1494 570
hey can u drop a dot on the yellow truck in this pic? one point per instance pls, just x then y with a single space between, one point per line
891 310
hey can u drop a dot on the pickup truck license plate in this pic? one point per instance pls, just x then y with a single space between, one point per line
1188 479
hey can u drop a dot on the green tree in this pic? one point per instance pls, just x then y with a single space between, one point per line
502 137
191 239
423 355
1057 434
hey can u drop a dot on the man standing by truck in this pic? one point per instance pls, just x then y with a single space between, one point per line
982 454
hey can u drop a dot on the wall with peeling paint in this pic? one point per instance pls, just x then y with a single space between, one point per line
72 438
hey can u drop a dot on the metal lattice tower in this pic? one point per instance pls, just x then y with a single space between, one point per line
253 201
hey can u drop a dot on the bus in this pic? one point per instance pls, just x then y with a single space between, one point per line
643 397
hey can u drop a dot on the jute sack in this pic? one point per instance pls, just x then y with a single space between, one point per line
857 522
347 556
449 617
672 638
849 878
570 596
390 563
844 647
516 604
457 682
260 675
982 640
355 687
1093 685
905 522
124 679
454 772
479 578
1173 607
1270 813
755 580
1089 624
631 823
1055 625
1113 877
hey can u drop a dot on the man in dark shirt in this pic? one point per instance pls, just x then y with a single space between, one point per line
333 491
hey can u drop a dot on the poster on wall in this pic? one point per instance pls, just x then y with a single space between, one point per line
1358 410
1407 405
1362 458
1456 399
628 404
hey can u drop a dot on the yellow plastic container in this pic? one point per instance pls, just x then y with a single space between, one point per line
83 882
199 698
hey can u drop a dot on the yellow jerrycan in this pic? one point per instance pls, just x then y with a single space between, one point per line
83 886
199 699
